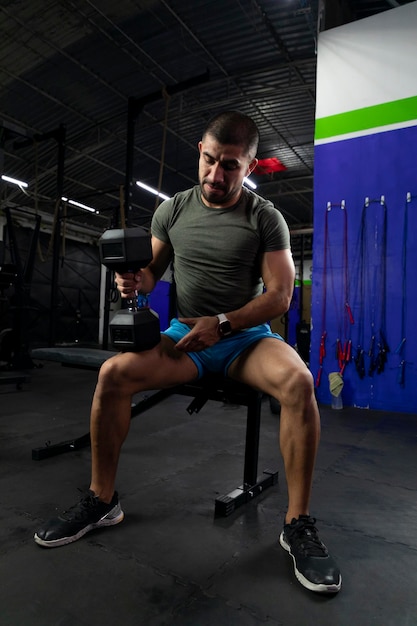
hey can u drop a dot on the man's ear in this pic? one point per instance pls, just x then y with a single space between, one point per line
252 166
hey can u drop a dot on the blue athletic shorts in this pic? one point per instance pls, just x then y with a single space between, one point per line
219 357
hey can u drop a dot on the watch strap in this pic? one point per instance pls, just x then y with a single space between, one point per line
225 328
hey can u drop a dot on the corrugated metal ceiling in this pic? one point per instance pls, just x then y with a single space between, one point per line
76 62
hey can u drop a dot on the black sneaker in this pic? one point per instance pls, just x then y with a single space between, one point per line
87 514
314 567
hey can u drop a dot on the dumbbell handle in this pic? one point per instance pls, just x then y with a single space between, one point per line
133 305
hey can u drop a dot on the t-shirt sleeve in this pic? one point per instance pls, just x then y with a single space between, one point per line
161 221
275 234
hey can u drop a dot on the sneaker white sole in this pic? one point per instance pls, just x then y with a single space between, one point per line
303 580
116 516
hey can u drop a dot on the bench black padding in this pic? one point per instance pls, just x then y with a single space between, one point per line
211 387
88 358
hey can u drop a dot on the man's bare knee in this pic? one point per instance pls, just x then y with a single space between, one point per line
119 374
298 387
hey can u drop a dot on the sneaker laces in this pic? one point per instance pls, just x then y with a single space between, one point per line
81 509
303 535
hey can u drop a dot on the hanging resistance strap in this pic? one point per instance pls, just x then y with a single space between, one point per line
340 295
372 286
401 348
383 347
322 347
344 341
360 353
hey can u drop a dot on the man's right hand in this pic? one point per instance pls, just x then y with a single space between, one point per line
128 284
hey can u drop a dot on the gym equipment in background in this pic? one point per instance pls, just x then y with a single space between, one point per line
8 347
135 328
19 275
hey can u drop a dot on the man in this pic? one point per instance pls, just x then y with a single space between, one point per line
234 271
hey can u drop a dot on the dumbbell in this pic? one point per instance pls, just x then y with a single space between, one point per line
133 329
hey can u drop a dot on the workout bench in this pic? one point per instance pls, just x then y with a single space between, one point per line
211 387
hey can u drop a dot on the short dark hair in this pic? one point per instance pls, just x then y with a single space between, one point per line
234 128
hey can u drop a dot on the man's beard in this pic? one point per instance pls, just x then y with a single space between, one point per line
213 197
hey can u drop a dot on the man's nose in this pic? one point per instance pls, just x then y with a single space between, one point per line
216 172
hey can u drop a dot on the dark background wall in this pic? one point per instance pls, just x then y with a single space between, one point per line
78 292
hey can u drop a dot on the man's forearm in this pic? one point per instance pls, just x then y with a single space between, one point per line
264 308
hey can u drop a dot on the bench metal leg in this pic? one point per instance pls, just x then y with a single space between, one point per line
14 379
252 487
49 450
226 505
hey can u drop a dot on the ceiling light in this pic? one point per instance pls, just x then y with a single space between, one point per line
14 181
152 190
79 205
249 183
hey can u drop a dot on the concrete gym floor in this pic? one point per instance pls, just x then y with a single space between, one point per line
170 562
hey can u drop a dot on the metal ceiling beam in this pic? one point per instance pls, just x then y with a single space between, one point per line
281 46
98 20
230 78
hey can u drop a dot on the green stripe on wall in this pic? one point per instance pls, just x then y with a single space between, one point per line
369 117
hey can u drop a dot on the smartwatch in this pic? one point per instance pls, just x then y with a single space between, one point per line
225 328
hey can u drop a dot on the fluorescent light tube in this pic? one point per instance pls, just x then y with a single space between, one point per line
249 183
14 181
152 190
79 205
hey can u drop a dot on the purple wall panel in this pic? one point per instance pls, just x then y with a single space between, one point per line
159 302
383 164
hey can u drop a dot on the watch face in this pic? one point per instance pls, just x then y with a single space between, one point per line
225 328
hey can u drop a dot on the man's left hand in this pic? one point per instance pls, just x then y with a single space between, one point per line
203 334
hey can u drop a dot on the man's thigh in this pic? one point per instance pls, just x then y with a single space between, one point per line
266 365
159 368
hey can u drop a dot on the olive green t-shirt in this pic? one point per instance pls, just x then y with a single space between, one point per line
217 252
